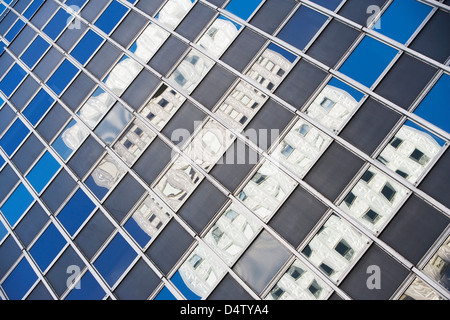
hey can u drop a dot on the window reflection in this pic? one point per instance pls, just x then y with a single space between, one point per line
411 151
301 147
438 267
231 233
334 247
374 199
266 190
178 183
419 290
173 12
70 139
113 123
149 42
122 75
96 107
299 283
150 216
219 36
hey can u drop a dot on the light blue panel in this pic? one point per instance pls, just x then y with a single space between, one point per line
43 171
243 9
16 204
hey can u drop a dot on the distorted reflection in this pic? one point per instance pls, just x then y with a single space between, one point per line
335 247
374 199
334 105
104 177
191 70
219 36
209 144
96 107
122 75
136 138
267 190
301 147
178 183
438 267
232 233
149 41
241 105
162 106
113 123
299 283
410 151
173 12
271 66
201 272
150 216
419 290
70 139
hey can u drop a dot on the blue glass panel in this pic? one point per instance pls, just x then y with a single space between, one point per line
358 95
38 107
434 108
32 8
60 146
115 259
43 171
99 191
111 17
177 280
165 294
243 9
3 231
288 55
13 137
12 79
87 46
402 19
62 77
368 61
12 33
16 204
47 247
302 27
34 51
89 289
409 123
19 281
329 4
136 232
76 211
78 3
57 24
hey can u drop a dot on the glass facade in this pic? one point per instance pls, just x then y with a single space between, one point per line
224 149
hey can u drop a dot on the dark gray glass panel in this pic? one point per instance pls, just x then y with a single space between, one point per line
329 4
7 115
140 282
202 205
44 13
85 157
268 123
218 3
356 10
334 170
432 41
31 224
141 88
235 165
78 91
414 229
195 21
6 61
8 180
298 216
169 246
59 273
93 9
24 93
48 63
103 60
58 190
22 40
153 161
436 182
229 289
168 55
405 81
243 49
70 36
21 5
370 125
28 153
94 234
40 292
187 118
53 122
261 261
300 84
7 22
9 252
213 86
333 43
149 7
392 275
128 29
270 16
124 197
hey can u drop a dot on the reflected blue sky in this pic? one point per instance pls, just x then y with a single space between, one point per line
16 204
43 171
243 9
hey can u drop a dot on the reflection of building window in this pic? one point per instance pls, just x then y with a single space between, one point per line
371 216
315 289
307 251
367 176
396 142
276 292
349 199
287 150
402 173
259 178
327 104
304 129
295 272
388 191
419 157
195 260
327 269
344 249
382 160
